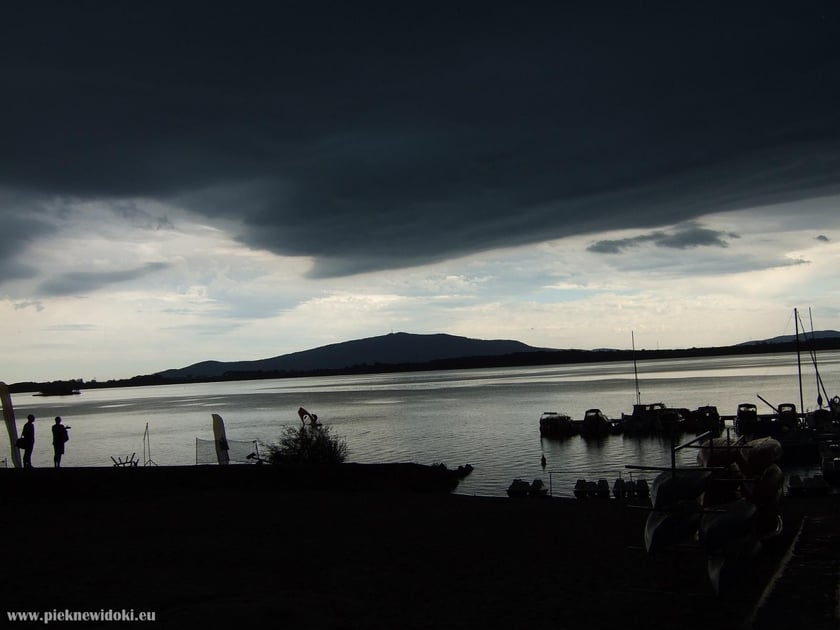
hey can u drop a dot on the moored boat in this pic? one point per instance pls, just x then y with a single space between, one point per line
799 442
595 423
707 418
787 418
642 419
746 419
59 388
822 420
670 422
656 418
555 424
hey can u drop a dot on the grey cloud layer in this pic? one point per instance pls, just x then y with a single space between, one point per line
683 237
76 282
379 136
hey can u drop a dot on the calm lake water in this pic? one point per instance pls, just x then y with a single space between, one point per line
488 417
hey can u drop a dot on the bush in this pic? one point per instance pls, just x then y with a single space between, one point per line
309 445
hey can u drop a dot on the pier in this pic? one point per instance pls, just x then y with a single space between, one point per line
805 591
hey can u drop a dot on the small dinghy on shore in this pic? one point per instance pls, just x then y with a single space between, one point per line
760 453
723 524
677 485
520 488
677 523
719 452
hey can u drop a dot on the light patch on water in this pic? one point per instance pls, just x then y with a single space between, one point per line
381 401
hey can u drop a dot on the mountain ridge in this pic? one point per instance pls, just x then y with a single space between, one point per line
393 348
475 354
817 334
403 348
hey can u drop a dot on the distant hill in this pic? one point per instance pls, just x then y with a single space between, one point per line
412 349
400 352
803 337
395 348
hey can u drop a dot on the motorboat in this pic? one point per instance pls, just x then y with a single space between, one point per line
595 423
746 419
642 419
707 418
555 424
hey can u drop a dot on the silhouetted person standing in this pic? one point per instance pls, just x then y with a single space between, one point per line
60 436
28 437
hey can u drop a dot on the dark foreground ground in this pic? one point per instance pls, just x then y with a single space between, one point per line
206 554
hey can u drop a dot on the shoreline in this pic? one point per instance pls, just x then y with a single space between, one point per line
106 482
370 554
537 358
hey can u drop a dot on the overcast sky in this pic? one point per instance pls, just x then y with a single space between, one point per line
188 181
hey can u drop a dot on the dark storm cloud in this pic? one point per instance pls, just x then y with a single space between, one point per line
17 230
77 282
378 136
682 237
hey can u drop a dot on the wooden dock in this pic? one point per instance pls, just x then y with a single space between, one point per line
805 592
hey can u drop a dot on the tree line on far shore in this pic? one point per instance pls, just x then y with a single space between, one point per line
519 359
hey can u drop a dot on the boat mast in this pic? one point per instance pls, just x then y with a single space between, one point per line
798 361
820 386
635 371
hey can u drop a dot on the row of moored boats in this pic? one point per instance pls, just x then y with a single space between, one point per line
645 419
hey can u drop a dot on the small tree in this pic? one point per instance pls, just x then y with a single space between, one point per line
308 444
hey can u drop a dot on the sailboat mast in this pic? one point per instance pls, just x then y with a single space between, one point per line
820 386
635 371
798 361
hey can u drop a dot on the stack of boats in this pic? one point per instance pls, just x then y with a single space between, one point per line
729 505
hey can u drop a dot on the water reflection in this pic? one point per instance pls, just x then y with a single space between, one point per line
487 418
